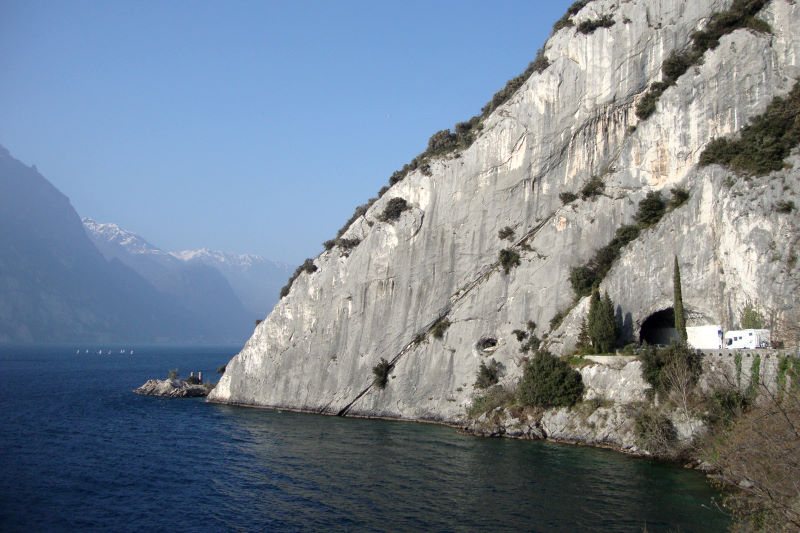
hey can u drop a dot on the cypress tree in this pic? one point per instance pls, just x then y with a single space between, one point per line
594 320
603 327
611 325
680 317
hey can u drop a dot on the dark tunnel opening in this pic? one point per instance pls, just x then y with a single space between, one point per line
659 328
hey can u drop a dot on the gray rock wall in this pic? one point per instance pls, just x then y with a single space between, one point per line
317 348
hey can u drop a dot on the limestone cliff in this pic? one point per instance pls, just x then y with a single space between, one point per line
574 119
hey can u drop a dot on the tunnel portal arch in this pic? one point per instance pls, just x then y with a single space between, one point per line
659 327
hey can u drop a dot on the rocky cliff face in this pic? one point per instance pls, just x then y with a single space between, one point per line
573 120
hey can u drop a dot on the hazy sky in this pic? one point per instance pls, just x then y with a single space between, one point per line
249 127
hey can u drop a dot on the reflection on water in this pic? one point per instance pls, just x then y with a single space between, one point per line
309 471
81 452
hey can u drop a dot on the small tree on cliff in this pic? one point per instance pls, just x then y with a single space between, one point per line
680 315
603 327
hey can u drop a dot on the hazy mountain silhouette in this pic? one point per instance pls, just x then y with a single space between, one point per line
55 286
256 281
194 285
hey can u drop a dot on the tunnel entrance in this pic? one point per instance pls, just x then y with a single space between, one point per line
659 328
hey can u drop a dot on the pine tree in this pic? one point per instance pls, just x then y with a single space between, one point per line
610 322
603 327
680 316
584 344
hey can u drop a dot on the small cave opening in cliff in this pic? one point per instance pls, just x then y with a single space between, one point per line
487 344
659 327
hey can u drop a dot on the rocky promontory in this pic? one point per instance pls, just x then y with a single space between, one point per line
174 388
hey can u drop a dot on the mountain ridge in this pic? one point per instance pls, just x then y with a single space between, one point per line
252 279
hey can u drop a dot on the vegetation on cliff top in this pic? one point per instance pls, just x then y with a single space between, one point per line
307 266
740 15
566 20
588 27
462 135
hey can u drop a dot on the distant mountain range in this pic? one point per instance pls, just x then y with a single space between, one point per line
62 280
255 281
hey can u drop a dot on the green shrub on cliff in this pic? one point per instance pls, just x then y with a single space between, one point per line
567 197
549 382
507 233
592 188
381 373
492 398
439 328
529 341
761 146
488 375
394 208
508 259
678 197
651 209
589 26
660 365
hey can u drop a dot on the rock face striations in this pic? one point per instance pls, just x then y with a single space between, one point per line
440 260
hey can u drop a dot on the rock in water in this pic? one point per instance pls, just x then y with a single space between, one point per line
573 120
172 388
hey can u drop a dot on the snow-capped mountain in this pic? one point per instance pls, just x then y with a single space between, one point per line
215 256
195 286
55 286
113 234
255 281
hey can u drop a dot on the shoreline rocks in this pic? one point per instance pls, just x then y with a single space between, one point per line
174 388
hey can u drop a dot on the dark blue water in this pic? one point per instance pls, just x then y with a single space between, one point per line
80 451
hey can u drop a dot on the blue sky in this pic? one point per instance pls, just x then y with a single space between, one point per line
246 126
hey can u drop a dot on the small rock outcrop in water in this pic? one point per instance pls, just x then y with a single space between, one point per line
173 388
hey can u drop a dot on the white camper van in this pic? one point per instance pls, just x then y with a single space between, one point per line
747 338
704 337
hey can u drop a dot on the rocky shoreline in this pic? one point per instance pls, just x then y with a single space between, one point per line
174 388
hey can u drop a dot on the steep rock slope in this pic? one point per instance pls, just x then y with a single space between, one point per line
575 119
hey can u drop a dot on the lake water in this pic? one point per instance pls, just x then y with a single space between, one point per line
79 451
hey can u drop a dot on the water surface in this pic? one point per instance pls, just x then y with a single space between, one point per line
81 452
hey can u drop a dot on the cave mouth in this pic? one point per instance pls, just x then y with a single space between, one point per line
659 327
487 344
